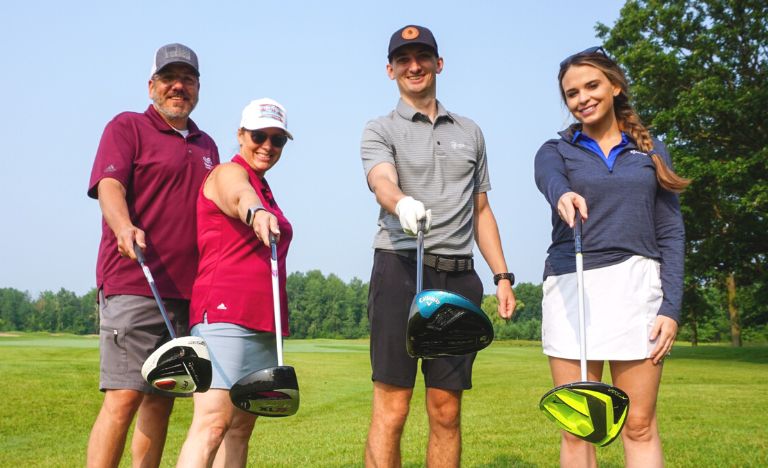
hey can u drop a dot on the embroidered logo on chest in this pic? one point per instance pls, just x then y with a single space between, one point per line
208 162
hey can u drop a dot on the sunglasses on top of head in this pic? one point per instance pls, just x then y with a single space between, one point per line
590 51
259 137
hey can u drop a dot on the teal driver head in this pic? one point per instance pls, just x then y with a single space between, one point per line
442 323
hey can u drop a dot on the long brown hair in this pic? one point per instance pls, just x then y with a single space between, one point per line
628 120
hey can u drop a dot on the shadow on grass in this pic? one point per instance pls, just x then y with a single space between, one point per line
751 354
509 461
499 462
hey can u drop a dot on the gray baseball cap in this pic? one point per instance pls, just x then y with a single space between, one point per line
174 53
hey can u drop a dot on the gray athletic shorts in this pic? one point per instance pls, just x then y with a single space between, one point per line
391 291
130 329
235 351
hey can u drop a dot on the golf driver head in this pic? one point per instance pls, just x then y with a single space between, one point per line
272 392
181 365
592 411
442 323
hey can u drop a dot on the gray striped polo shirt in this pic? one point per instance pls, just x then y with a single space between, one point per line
442 165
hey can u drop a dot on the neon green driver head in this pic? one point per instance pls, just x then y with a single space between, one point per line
592 411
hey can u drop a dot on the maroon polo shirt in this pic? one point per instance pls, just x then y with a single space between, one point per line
161 172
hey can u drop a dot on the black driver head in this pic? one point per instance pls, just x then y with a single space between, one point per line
442 323
272 392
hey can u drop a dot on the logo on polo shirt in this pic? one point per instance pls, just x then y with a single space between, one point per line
208 162
455 145
222 306
111 168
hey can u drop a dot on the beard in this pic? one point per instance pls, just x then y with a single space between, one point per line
164 106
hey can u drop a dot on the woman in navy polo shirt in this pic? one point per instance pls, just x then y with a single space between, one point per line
609 168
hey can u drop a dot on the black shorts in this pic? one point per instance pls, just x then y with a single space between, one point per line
391 291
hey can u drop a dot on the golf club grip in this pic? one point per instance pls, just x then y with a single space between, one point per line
577 231
150 279
273 246
139 253
276 300
419 260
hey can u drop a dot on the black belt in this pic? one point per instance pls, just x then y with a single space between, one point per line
447 263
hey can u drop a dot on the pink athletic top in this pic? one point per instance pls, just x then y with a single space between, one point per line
234 276
161 172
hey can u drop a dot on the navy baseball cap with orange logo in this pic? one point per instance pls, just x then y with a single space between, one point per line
411 34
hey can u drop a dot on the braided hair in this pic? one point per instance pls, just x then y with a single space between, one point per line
628 120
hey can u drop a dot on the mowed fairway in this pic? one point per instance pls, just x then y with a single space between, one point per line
712 407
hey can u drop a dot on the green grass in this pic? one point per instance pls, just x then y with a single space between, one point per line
712 407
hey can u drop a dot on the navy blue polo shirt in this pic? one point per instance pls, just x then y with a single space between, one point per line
629 213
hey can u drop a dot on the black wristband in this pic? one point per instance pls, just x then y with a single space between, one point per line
501 276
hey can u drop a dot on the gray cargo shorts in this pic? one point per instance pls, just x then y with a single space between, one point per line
130 329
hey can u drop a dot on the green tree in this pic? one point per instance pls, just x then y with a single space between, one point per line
326 307
87 319
15 307
526 323
699 74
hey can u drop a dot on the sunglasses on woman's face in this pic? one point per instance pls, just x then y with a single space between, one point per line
259 137
592 50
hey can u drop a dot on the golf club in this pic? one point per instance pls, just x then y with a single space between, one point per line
443 323
592 411
181 365
274 391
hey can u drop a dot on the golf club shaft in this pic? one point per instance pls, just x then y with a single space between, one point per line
580 287
151 281
420 257
276 300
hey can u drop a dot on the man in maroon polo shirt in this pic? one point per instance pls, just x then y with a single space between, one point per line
146 174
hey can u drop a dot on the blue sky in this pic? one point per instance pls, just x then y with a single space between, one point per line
69 67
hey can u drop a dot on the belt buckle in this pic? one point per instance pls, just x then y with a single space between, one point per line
437 263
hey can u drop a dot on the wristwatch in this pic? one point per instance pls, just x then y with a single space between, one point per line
252 213
507 276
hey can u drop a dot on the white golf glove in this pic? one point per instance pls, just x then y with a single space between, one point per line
411 212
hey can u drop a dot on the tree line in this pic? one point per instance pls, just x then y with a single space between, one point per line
321 306
324 306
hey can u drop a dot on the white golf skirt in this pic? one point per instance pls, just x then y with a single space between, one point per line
621 303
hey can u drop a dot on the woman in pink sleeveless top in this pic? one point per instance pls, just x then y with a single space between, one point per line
232 301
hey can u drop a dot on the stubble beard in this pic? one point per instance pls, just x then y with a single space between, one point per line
170 112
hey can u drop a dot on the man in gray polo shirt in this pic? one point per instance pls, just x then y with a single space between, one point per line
425 164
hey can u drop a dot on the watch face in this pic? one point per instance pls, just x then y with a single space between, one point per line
249 217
